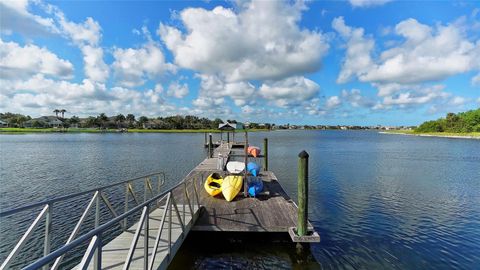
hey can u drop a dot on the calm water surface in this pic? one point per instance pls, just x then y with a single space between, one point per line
378 201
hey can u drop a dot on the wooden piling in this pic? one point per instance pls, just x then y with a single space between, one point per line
245 187
228 137
210 146
265 154
302 193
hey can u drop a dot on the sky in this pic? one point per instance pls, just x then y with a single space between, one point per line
357 62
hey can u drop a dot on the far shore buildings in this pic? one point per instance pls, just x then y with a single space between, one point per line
44 121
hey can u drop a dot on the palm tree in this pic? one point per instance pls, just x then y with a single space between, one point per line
119 119
130 118
102 119
56 111
63 111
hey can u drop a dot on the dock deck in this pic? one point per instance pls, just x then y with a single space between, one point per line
272 211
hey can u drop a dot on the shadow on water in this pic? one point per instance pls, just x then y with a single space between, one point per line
252 250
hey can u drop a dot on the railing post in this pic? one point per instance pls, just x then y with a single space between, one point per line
184 201
170 230
265 154
125 220
210 146
145 183
145 238
228 137
97 257
302 193
48 233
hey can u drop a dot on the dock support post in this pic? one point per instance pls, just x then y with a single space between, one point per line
228 137
265 154
302 193
210 146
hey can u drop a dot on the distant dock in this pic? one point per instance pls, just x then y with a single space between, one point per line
165 217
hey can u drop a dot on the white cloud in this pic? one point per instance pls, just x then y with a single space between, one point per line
240 92
290 91
367 3
260 41
133 66
86 36
177 90
332 102
17 61
355 98
16 17
427 54
357 59
416 96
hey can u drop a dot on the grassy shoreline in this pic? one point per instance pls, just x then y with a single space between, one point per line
93 130
468 135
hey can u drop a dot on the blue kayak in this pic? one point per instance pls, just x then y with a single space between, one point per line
253 168
255 186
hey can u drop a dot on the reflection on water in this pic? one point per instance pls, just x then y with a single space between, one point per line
378 201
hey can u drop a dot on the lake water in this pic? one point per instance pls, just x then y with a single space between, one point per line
378 201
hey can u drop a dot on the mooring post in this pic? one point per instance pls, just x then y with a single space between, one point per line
228 137
245 187
302 193
210 146
265 154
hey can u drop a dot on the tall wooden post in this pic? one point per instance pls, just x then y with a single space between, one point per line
302 193
245 188
265 154
210 146
228 136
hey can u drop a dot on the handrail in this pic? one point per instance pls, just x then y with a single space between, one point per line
98 231
62 198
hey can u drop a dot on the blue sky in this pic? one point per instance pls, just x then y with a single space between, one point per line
358 62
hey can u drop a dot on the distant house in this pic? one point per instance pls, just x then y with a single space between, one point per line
3 123
154 124
230 126
44 121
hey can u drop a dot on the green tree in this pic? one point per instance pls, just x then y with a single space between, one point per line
119 119
102 119
130 119
142 120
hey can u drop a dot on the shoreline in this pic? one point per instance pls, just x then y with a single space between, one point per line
9 131
472 137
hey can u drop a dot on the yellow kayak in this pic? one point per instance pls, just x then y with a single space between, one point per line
213 184
231 186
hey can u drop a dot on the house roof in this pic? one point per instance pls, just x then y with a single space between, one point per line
230 126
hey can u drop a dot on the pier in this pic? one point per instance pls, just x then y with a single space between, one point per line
166 217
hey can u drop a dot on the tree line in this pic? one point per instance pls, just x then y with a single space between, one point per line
102 121
457 123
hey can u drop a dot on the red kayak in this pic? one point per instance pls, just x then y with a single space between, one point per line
253 150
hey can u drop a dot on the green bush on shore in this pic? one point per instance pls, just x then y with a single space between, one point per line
464 122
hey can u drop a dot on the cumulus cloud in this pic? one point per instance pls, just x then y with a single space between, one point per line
86 36
178 90
426 54
290 91
212 86
133 66
16 17
367 3
355 98
21 62
260 41
357 59
332 102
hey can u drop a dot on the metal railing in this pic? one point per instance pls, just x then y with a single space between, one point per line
95 235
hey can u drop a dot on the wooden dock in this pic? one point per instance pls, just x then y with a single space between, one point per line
271 211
